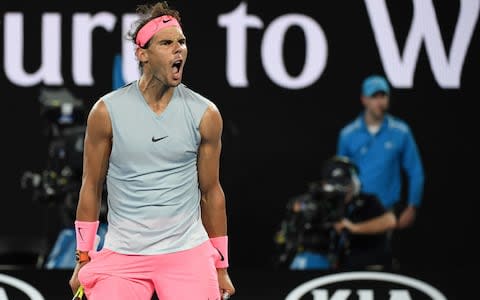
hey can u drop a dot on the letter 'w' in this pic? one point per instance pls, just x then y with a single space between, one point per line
446 68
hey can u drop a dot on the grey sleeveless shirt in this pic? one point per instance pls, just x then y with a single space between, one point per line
152 183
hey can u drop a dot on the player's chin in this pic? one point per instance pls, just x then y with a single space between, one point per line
175 82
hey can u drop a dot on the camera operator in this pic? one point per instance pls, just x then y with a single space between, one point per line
334 226
365 228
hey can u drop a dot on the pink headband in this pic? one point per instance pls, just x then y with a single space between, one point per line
153 26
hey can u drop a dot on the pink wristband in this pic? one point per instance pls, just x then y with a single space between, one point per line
221 244
86 233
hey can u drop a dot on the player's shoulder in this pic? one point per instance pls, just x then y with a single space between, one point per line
192 95
197 99
98 112
119 92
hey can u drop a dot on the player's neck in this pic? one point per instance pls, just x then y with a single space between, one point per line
154 91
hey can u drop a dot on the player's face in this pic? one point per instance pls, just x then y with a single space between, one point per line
166 55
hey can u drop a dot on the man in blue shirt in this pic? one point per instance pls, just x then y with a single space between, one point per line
383 146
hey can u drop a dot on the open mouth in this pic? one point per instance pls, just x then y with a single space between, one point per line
176 66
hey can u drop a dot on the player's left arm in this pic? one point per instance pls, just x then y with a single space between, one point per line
214 216
213 198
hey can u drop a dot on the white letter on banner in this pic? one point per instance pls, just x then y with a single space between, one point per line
315 57
130 69
83 26
50 68
400 70
236 23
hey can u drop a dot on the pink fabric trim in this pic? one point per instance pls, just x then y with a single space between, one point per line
153 26
86 233
221 244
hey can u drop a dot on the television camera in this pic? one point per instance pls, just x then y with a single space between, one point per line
308 225
58 183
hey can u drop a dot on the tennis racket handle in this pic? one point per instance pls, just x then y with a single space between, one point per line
79 294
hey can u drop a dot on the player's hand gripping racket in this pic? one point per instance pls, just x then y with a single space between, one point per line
79 294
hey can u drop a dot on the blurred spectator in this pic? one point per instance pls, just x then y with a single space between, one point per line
384 149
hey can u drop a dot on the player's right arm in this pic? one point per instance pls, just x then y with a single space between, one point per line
96 153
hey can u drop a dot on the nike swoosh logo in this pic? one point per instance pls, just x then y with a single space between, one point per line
80 233
221 255
166 21
158 139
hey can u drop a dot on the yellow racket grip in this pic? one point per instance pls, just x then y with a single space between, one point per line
79 293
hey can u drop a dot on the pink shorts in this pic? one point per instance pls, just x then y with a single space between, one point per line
189 274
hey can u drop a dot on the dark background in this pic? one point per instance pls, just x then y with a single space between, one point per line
275 139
